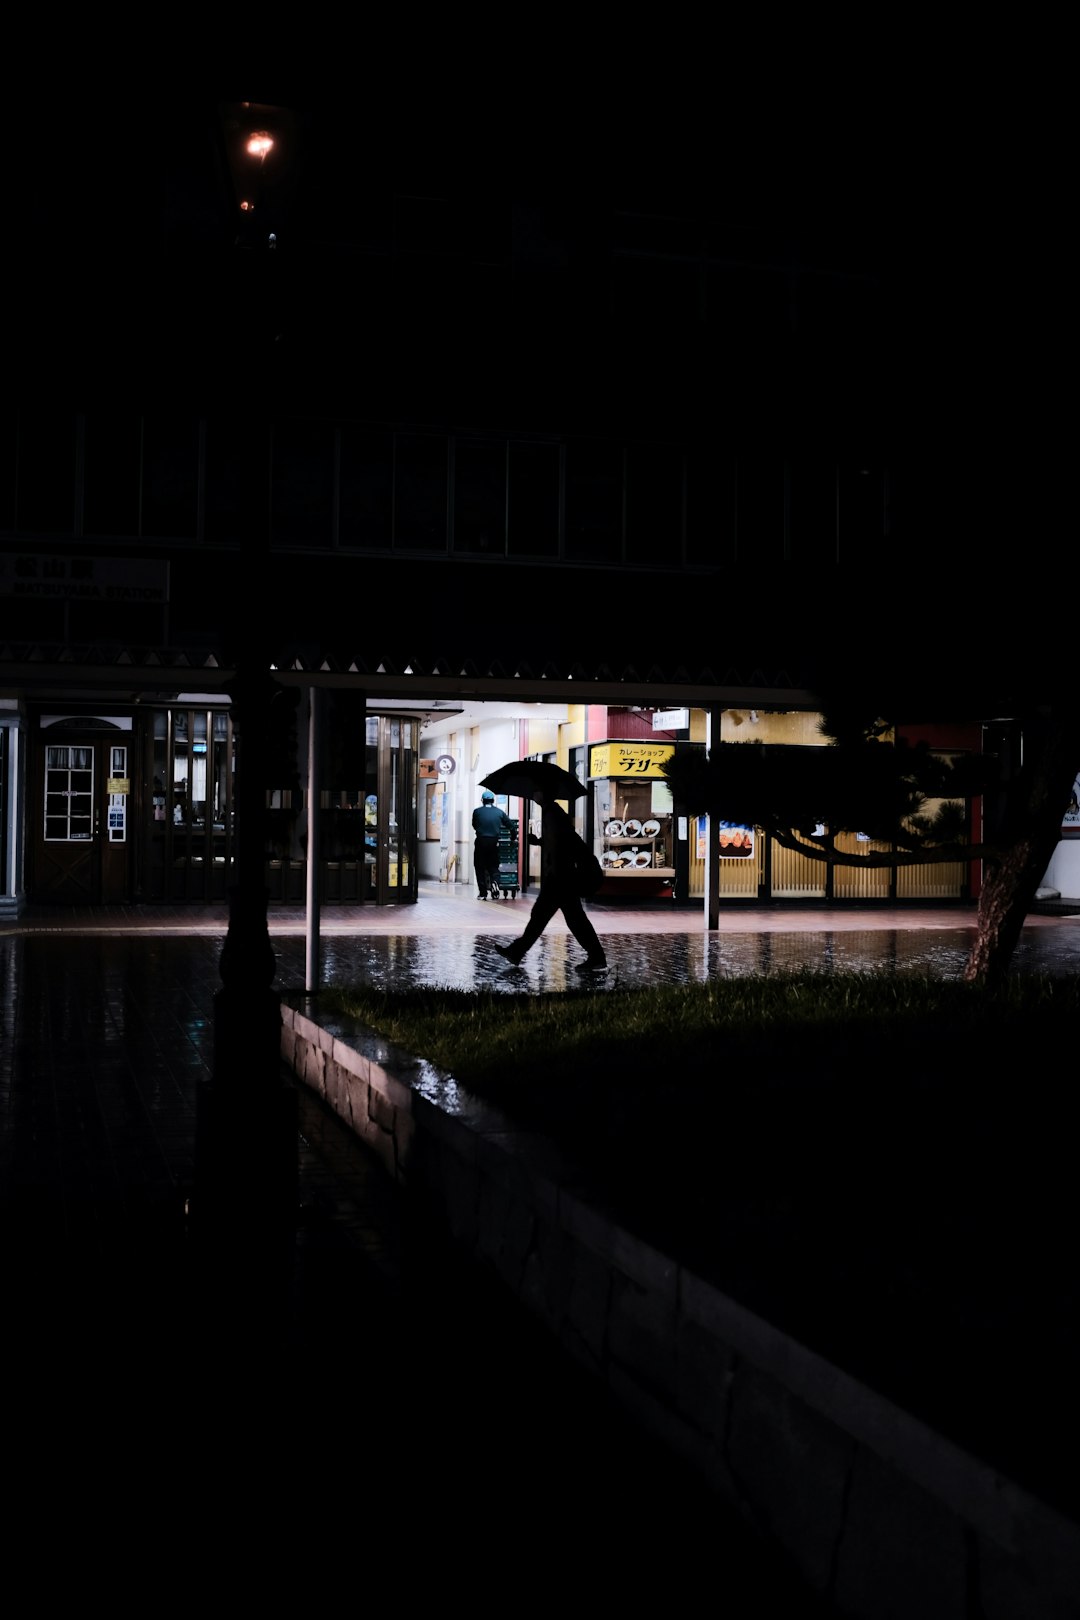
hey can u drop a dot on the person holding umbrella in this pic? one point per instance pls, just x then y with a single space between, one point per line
488 822
562 852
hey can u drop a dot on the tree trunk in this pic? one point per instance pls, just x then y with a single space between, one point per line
1037 801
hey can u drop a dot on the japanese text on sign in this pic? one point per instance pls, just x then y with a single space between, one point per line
629 758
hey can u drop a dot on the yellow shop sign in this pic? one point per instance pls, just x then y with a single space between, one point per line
624 759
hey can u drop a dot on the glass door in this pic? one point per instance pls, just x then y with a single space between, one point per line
390 799
189 850
81 831
370 815
67 867
397 749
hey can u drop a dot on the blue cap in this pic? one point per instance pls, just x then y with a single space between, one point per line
487 796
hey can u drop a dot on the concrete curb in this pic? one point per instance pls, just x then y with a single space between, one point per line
881 1514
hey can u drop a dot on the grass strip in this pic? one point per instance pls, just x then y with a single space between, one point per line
882 1164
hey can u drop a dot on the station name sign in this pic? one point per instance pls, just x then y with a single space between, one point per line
84 579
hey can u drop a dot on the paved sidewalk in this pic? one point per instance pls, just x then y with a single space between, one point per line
448 938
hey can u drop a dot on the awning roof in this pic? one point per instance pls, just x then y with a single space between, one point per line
42 668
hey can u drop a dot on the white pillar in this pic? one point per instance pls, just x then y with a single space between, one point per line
314 776
712 833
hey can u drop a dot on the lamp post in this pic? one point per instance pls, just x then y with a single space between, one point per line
244 1200
244 1203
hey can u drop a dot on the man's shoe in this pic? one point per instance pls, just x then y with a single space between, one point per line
592 964
511 955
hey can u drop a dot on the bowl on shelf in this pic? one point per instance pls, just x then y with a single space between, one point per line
631 829
614 829
642 858
650 829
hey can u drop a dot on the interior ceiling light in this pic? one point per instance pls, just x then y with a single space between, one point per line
259 144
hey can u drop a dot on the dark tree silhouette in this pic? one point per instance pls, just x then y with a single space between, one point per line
910 798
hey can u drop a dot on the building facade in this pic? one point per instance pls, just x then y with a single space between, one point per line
613 441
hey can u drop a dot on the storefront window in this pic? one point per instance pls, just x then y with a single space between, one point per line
189 850
181 793
633 810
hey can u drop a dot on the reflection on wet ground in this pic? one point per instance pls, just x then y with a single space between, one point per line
467 961
447 939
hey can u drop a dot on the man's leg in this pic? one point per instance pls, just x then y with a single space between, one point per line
542 912
482 869
583 931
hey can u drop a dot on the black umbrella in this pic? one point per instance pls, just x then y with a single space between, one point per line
534 779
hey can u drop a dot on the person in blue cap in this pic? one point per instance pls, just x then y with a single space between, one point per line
488 822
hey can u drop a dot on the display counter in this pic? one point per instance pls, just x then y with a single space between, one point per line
632 815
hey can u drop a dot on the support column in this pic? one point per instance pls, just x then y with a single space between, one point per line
246 1171
712 823
313 967
13 810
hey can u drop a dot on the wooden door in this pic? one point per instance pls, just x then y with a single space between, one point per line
80 840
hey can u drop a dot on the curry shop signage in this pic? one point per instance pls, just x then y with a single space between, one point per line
629 759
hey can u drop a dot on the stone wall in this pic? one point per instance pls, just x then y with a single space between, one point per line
883 1516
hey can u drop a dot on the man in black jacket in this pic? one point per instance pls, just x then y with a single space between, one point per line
488 822
561 850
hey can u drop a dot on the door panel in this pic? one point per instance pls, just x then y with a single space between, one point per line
80 821
188 822
115 823
390 797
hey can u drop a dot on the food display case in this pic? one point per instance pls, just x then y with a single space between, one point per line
632 814
635 846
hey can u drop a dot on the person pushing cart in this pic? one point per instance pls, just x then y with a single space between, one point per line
489 822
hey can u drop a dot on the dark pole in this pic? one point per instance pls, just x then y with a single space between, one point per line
712 861
245 1193
244 1203
313 953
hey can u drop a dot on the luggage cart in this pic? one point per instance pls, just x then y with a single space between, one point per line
505 881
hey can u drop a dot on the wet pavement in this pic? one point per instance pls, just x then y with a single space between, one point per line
448 938
650 958
358 1413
